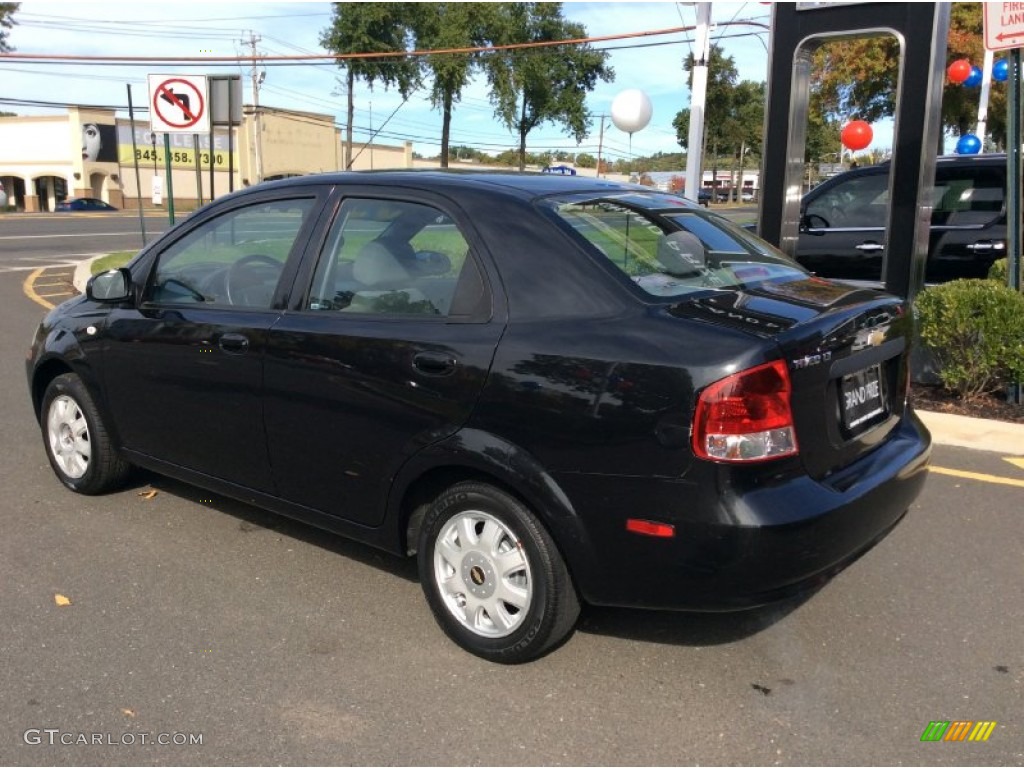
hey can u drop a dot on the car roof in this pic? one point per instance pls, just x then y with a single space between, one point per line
989 158
524 185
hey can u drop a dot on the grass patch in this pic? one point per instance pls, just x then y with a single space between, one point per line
111 261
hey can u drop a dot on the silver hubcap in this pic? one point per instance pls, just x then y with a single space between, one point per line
68 436
482 573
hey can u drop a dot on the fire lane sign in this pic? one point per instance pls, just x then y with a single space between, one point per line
1004 25
178 104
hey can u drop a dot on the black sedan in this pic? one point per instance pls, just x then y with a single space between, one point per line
84 204
549 389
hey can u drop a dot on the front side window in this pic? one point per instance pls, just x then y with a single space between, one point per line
393 257
858 203
674 252
234 260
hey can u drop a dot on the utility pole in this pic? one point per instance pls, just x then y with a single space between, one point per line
600 146
698 98
257 79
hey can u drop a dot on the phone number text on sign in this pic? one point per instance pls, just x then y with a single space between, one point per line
180 158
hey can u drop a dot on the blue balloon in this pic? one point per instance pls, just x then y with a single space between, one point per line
1001 70
974 79
969 144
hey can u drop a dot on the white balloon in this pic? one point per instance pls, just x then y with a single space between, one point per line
631 110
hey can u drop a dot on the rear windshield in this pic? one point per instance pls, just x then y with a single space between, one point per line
676 251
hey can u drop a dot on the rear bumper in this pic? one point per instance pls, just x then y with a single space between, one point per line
741 540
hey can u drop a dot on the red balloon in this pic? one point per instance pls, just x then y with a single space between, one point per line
959 70
856 135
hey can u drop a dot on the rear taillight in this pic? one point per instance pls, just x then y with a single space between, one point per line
746 416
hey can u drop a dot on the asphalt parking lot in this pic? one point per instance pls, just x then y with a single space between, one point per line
186 615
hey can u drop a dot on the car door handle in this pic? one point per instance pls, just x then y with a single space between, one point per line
984 245
434 363
869 246
234 343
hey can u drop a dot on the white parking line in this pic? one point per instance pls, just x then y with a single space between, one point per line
49 264
76 234
64 257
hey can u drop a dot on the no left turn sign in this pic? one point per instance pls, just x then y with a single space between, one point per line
177 104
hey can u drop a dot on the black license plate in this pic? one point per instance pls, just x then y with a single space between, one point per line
861 397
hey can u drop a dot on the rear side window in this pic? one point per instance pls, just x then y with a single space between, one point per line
676 252
393 257
968 196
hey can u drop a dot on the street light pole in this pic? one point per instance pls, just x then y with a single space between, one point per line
698 99
257 79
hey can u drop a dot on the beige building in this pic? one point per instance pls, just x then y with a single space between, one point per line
92 152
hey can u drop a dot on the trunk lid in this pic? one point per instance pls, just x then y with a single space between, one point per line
846 349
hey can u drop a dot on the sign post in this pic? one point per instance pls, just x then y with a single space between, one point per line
1004 30
170 179
135 155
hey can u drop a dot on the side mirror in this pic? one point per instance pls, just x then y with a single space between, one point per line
112 286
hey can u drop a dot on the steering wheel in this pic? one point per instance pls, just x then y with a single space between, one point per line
250 272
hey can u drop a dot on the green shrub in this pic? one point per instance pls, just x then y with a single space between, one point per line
1000 270
975 329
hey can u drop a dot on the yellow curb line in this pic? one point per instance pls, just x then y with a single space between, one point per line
28 287
995 479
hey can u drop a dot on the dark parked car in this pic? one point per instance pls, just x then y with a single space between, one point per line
549 389
842 228
84 204
704 197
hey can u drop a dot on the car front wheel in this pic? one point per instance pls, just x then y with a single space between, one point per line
493 576
77 443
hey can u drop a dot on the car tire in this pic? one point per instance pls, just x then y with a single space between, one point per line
493 576
76 440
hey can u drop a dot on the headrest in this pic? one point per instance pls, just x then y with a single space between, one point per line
375 265
681 253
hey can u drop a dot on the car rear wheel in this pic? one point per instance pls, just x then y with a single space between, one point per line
493 576
77 443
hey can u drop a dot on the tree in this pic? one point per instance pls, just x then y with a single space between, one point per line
584 160
372 28
857 79
464 154
960 104
6 22
533 86
439 26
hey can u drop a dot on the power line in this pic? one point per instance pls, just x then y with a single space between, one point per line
347 56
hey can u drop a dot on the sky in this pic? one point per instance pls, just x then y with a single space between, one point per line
219 28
